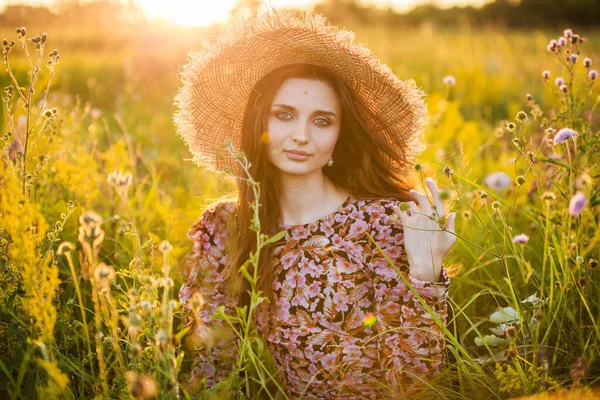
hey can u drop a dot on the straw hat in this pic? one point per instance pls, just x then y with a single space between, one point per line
219 78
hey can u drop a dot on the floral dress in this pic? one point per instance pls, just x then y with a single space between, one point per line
343 324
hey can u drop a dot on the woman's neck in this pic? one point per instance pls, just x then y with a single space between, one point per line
306 199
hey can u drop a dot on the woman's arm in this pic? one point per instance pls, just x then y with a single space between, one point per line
411 341
205 288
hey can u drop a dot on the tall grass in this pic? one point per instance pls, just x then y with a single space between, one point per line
94 213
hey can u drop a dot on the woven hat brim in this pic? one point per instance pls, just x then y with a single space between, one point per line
218 80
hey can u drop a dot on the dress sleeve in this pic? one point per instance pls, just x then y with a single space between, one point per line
204 289
411 343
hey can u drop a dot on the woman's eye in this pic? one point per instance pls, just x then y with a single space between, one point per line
322 121
284 115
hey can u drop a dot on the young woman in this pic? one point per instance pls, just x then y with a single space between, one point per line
331 134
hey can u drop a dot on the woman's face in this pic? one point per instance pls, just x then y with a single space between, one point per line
305 116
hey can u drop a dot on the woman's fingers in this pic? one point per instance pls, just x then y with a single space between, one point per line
423 202
435 193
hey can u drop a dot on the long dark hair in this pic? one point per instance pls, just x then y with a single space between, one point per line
359 167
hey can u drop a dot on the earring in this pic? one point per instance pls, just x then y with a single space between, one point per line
330 162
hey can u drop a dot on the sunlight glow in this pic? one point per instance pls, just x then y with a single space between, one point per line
189 13
202 12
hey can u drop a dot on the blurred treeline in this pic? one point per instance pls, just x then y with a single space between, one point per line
553 14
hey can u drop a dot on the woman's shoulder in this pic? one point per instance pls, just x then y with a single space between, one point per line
379 205
212 220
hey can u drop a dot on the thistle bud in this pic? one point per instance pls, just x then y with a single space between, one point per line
510 332
522 115
448 171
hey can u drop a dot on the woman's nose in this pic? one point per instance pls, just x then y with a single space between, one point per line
301 134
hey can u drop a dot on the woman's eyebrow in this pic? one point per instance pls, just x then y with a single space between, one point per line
292 108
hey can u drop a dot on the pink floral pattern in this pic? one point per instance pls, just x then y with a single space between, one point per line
329 277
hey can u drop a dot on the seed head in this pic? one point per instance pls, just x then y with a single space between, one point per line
520 180
593 263
552 46
104 273
548 196
546 74
568 33
496 205
418 167
5 42
165 247
44 36
521 116
528 96
483 195
120 181
510 126
449 80
64 248
563 88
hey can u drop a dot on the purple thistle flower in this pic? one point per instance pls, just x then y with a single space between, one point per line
587 62
522 238
562 41
593 74
449 80
564 134
568 33
546 74
573 58
552 45
497 181
577 204
559 81
563 88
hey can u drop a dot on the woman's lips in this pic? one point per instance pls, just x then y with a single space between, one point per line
296 156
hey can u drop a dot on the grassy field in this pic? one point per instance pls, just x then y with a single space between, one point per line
90 263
